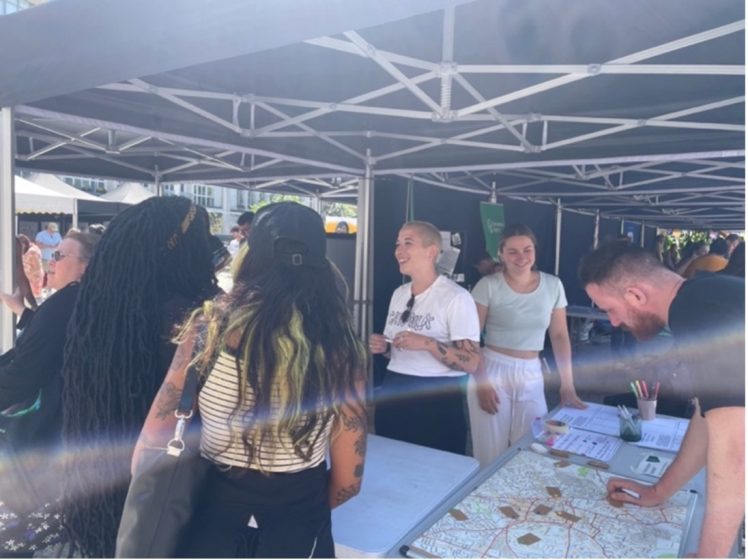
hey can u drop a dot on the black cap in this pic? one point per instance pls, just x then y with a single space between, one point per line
297 233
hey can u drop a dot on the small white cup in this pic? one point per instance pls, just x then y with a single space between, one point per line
647 408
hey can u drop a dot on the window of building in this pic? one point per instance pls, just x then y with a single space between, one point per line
203 195
11 6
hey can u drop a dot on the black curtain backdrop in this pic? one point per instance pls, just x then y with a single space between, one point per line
609 229
577 237
650 234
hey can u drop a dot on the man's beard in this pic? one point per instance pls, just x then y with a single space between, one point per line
646 325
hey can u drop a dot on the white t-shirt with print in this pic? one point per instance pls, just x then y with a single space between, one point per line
445 312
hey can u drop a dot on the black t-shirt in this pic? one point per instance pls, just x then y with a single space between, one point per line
707 319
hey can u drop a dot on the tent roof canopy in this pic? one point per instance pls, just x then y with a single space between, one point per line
635 109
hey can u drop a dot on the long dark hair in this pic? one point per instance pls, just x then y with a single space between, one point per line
290 331
151 254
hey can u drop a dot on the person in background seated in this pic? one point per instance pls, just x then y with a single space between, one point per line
487 265
154 265
342 227
30 274
691 252
235 243
516 307
706 316
733 240
433 328
30 381
47 240
284 385
245 224
736 264
715 261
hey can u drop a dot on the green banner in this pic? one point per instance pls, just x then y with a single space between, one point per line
492 217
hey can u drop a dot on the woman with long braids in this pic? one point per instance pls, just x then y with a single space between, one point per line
153 267
284 379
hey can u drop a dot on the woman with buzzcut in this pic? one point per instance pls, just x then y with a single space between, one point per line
431 337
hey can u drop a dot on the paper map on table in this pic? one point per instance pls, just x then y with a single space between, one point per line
536 506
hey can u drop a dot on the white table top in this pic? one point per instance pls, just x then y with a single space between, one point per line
403 483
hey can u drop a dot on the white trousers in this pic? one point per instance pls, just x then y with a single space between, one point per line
519 384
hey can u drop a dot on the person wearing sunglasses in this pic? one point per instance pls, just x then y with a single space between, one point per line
30 399
431 337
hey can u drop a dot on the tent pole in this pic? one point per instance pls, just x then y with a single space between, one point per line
641 237
596 235
75 213
363 274
558 236
7 213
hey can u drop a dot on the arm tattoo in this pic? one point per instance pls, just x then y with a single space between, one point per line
167 400
462 353
182 356
360 446
354 423
358 472
345 494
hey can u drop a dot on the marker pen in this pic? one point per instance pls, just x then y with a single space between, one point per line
631 493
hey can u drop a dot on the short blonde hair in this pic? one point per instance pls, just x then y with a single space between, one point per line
430 235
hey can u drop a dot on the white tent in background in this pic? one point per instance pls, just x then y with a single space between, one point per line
128 193
61 187
36 199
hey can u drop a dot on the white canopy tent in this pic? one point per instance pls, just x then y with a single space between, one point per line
32 198
128 193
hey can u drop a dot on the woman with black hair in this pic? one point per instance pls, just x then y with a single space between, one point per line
153 266
285 385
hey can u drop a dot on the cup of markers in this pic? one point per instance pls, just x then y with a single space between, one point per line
630 425
646 398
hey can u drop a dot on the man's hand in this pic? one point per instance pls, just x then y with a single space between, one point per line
648 495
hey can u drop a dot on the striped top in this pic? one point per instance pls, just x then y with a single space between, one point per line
217 400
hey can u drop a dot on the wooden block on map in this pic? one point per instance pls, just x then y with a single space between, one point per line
553 491
559 453
561 464
528 538
509 512
457 514
542 510
568 516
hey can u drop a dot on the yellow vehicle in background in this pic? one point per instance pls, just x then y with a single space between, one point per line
339 224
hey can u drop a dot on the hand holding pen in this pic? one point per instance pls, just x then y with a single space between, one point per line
632 492
378 344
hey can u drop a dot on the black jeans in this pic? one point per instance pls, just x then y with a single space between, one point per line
244 513
428 411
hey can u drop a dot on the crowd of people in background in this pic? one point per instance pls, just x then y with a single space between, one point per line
111 318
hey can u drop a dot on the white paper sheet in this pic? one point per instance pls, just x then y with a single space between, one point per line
594 446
